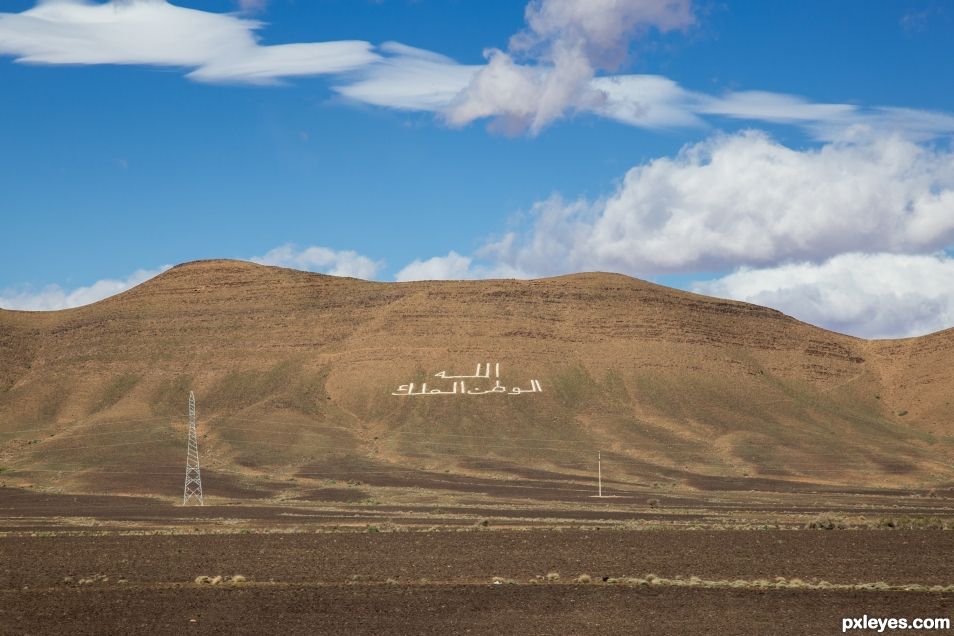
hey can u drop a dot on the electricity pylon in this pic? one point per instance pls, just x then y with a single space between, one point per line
193 479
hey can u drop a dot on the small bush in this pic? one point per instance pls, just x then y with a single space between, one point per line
827 522
584 578
553 577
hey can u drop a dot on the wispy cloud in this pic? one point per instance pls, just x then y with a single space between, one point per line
217 47
408 78
405 78
560 64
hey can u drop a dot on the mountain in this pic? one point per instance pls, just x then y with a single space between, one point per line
295 376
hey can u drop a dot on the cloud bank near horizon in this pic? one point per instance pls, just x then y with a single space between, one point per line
797 230
312 258
321 259
869 295
54 297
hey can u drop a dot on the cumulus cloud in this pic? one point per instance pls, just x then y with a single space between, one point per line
870 295
322 259
746 199
566 43
54 297
218 47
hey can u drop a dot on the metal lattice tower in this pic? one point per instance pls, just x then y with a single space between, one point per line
193 479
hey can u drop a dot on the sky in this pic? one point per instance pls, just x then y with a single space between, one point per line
792 154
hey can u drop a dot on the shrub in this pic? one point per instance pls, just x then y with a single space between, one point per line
827 522
584 578
552 577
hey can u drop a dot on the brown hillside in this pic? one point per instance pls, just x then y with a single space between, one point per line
294 374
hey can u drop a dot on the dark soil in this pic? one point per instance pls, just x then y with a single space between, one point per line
441 582
458 609
892 556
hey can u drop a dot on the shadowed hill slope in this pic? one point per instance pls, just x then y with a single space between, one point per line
295 372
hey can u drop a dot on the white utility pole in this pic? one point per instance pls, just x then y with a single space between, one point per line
599 473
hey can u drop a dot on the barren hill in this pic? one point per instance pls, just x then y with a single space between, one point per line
296 373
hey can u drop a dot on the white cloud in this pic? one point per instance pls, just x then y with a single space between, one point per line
527 97
219 47
869 295
603 28
773 107
54 297
456 267
322 259
567 42
746 199
549 69
409 79
647 101
450 267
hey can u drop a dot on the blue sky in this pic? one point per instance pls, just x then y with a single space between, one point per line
113 159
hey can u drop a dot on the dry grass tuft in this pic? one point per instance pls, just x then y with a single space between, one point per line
827 522
584 578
